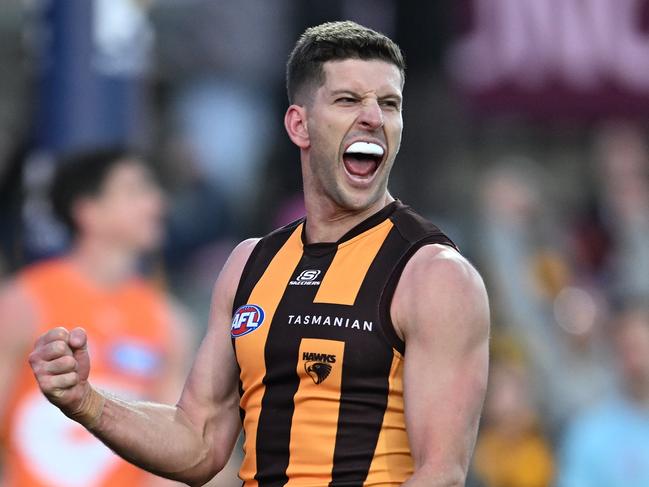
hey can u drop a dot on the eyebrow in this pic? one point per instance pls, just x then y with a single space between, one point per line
392 96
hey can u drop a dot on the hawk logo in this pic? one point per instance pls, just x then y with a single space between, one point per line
318 365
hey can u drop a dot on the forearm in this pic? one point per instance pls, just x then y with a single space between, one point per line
159 438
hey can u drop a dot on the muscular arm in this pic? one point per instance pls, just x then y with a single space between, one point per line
190 441
440 308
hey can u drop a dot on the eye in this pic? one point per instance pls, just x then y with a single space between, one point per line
393 104
345 100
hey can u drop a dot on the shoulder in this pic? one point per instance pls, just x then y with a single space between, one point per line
439 271
416 229
237 260
439 284
438 262
228 280
240 254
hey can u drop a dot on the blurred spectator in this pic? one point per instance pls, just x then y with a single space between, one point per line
223 99
608 445
511 450
532 287
623 157
139 339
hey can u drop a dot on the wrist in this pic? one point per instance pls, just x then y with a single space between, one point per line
90 409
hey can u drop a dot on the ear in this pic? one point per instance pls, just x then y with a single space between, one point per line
295 123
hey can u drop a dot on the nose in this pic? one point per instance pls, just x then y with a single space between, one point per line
371 115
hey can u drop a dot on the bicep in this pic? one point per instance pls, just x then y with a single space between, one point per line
182 344
445 322
443 398
210 397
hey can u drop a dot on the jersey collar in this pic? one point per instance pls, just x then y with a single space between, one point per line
321 248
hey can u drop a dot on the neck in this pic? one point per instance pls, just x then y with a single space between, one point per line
104 264
328 222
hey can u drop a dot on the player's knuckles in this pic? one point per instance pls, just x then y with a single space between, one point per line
55 334
37 364
35 359
63 381
55 350
61 365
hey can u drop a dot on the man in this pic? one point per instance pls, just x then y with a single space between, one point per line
608 445
352 344
114 210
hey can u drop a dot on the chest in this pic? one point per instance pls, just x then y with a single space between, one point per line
324 304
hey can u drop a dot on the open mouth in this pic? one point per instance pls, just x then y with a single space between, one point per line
362 159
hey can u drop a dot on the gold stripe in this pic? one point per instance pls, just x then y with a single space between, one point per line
315 420
342 281
392 463
267 294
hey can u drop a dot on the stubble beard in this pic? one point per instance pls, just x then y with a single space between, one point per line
324 173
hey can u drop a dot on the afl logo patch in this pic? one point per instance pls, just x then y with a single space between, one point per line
246 319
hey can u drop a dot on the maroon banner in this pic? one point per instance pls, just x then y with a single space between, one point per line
554 58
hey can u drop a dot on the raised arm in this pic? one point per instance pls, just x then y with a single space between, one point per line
190 441
440 309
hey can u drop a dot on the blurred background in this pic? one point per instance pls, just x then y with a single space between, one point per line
525 139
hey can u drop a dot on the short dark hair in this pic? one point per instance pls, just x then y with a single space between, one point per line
81 175
335 41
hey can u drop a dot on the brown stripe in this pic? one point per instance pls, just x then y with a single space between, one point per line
392 463
267 294
315 420
342 281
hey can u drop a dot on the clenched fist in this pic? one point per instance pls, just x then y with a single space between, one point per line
61 365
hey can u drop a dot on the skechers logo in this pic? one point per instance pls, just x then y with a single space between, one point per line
318 365
246 319
306 278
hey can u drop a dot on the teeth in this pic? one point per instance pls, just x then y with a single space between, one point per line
365 148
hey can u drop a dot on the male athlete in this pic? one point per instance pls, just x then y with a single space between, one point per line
139 347
352 344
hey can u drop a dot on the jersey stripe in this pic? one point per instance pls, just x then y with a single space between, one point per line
359 423
281 381
267 294
364 396
350 265
392 460
316 406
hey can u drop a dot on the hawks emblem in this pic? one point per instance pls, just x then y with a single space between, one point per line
318 371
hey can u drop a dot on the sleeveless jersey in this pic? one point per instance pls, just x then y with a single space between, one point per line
128 333
321 366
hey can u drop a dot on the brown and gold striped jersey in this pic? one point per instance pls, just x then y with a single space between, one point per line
321 366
